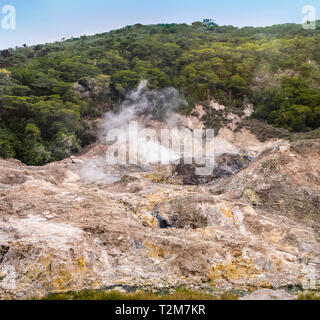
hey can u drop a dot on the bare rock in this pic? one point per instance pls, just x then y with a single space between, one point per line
268 294
257 228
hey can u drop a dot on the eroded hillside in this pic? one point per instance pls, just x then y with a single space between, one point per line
78 224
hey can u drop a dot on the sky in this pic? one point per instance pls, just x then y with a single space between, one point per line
41 21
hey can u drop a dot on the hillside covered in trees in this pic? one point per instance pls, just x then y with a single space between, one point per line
47 92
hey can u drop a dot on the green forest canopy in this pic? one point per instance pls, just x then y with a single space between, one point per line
48 91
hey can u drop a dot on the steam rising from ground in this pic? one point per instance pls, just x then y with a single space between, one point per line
155 105
96 170
156 110
151 109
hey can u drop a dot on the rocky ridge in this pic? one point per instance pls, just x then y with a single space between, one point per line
257 228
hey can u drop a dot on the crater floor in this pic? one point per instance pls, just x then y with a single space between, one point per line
258 228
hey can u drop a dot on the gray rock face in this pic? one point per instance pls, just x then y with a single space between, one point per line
267 294
226 166
60 233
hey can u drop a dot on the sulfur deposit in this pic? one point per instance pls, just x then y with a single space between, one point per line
64 229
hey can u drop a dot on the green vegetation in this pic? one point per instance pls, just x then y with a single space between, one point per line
294 105
48 92
180 294
309 296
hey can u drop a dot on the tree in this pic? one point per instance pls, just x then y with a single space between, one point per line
32 132
209 23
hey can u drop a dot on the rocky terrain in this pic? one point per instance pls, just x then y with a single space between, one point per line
254 224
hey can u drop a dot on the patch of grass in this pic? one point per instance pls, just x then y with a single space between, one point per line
265 131
309 296
314 134
179 294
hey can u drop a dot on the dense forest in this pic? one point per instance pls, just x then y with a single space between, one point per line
48 92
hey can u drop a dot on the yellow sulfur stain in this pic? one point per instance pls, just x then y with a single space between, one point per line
209 232
63 278
226 209
96 284
146 207
234 270
265 284
154 251
81 263
277 263
251 195
275 236
155 199
146 218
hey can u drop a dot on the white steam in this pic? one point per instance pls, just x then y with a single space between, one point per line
96 170
153 110
150 109
145 106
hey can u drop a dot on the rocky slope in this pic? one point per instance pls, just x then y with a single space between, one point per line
258 228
